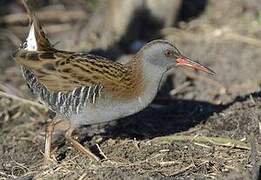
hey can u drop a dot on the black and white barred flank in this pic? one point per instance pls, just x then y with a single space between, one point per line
62 103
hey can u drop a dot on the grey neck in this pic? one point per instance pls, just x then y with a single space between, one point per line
153 78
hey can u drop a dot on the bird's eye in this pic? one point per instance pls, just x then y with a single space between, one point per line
168 53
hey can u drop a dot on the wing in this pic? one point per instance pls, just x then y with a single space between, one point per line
65 71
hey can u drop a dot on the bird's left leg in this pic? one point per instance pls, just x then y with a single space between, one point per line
48 142
86 152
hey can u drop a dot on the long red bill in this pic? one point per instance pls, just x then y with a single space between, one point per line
186 62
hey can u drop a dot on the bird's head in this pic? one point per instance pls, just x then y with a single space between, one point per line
166 56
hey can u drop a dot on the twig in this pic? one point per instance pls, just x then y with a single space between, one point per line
244 39
101 152
206 79
252 99
7 175
6 87
46 16
259 125
10 35
179 88
220 141
202 145
182 170
82 176
135 143
58 28
253 158
24 101
167 163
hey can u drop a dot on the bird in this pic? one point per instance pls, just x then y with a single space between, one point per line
86 89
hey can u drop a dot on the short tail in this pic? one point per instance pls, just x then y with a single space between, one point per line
36 40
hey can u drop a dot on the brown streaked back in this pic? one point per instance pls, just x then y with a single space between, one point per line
65 71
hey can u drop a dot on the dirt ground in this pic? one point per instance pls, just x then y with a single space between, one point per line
198 127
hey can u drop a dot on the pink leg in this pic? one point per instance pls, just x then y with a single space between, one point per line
48 143
86 152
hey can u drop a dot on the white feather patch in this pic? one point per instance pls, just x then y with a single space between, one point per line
31 40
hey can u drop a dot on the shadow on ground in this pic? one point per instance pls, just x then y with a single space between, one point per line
160 120
173 117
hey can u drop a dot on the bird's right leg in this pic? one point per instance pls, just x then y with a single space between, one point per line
55 124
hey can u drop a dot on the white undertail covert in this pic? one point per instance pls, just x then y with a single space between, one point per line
31 43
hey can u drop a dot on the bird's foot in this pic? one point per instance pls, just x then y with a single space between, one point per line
48 161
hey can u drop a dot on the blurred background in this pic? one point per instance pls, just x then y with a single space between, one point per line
224 35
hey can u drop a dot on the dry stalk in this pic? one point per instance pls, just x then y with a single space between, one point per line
24 101
220 141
